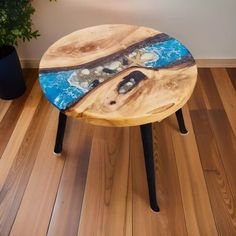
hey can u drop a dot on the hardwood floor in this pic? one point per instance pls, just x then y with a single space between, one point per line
98 186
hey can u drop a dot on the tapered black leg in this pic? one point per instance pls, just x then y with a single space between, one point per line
60 133
146 131
181 123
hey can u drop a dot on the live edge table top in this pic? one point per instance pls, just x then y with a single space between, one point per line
118 75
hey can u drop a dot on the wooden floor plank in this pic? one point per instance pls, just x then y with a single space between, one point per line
220 191
210 89
37 204
226 143
167 178
207 146
18 176
227 93
4 106
11 117
197 208
232 76
105 200
145 221
129 206
199 99
171 217
71 190
19 132
223 203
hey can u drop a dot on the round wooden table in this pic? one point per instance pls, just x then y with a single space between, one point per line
119 75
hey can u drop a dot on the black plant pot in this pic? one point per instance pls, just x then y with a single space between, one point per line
12 84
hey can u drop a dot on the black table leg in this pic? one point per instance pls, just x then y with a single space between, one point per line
60 133
146 131
181 123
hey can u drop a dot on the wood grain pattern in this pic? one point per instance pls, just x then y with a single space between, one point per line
222 194
94 42
4 105
229 64
199 99
170 220
226 145
43 195
145 221
227 93
216 142
107 185
212 98
232 75
72 184
11 117
192 183
137 106
20 171
42 187
17 137
169 188
118 75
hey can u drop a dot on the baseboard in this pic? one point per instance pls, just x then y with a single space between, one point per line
216 62
34 63
29 63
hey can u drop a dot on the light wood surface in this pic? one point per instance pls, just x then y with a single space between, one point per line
195 174
12 114
216 178
108 199
41 188
170 220
118 75
92 43
192 182
232 75
202 63
149 102
73 180
225 88
18 134
4 105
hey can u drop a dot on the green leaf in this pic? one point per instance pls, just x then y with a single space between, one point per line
16 22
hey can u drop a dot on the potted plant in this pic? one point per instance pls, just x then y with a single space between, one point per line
15 24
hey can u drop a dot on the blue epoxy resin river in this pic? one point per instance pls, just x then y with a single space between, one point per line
64 88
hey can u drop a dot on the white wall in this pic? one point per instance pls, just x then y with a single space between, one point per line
206 27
